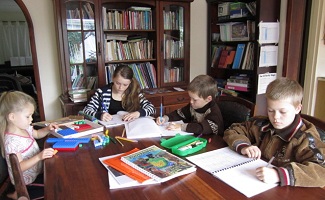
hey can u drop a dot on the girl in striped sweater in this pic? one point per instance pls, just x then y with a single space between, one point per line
123 94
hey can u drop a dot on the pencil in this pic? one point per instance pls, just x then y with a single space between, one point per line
113 140
161 111
119 142
270 161
123 138
123 133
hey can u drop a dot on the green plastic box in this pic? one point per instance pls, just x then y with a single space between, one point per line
176 143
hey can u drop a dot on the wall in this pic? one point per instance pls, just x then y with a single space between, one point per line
198 50
315 56
42 15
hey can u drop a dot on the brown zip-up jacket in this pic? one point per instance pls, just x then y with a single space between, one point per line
298 150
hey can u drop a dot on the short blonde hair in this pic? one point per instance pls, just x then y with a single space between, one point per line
284 88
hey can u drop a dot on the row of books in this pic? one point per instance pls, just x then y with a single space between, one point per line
237 31
173 74
130 50
145 73
241 57
87 12
173 20
173 48
133 18
231 10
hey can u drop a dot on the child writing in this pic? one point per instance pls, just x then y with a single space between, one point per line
202 115
123 94
18 136
291 142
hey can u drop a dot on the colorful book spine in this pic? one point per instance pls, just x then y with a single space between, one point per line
239 55
237 88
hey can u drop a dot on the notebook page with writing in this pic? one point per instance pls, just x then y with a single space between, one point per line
236 170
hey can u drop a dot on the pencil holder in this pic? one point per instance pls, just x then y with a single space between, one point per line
183 145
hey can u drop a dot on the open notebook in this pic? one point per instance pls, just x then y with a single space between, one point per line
236 170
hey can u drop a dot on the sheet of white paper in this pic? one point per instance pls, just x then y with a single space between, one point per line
117 120
268 56
264 80
269 32
166 132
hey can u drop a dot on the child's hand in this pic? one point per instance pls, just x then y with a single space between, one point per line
53 126
160 120
131 116
173 126
106 117
251 152
46 153
268 175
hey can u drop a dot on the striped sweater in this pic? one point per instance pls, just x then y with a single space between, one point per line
103 96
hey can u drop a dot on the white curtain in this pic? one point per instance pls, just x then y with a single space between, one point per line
14 40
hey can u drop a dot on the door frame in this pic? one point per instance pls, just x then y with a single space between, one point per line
29 21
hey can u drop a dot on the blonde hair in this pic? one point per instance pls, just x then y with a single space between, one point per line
284 88
203 86
13 101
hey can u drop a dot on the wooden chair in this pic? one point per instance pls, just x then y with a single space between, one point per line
235 109
320 125
20 186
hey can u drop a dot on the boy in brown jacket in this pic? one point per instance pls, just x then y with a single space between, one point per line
294 142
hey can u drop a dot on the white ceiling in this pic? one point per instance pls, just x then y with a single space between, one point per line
9 6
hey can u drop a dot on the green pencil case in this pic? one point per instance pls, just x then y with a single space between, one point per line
183 145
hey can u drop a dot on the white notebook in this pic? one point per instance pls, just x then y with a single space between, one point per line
236 170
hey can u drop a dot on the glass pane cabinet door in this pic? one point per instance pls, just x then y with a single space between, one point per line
173 45
81 39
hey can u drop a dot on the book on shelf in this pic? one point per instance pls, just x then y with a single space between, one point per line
238 10
158 164
122 175
72 130
236 88
236 170
224 91
223 10
245 85
235 80
239 55
236 31
248 61
227 57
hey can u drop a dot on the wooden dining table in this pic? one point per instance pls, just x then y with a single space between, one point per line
79 175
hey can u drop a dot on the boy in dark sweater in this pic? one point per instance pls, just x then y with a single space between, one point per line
202 115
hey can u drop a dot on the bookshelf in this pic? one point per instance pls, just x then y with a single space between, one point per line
150 36
233 25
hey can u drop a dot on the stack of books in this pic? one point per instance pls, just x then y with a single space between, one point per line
151 165
79 95
238 83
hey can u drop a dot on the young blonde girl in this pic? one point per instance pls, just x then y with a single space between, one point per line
18 136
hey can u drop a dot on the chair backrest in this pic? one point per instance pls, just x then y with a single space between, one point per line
235 109
8 82
20 186
320 125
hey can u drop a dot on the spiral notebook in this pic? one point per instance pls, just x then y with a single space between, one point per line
158 163
236 170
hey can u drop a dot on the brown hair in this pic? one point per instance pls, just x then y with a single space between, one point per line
13 101
203 86
284 88
130 99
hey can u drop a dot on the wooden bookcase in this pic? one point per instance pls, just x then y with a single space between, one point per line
266 11
89 48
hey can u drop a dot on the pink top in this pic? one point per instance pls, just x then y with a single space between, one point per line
28 147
